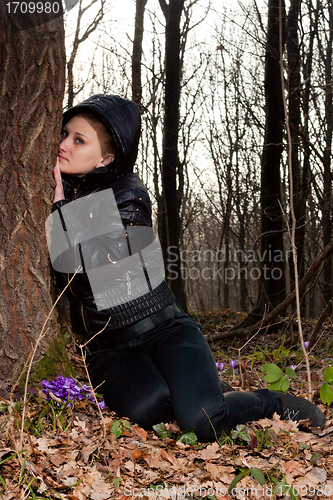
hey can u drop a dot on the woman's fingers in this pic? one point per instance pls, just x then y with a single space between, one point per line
59 190
57 173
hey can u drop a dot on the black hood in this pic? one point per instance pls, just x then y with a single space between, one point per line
122 119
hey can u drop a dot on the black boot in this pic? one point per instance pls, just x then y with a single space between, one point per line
226 387
294 408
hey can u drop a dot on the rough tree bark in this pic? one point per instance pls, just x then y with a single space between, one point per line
32 77
172 180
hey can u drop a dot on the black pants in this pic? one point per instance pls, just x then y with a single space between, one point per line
170 373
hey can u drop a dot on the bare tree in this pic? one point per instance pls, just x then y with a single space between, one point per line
137 51
172 193
79 38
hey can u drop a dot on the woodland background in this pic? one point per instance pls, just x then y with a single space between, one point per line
227 180
213 151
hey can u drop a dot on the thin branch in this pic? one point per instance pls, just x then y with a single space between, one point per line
41 336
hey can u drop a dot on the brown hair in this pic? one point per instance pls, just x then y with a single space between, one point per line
107 143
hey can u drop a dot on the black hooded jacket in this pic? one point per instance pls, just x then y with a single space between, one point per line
122 119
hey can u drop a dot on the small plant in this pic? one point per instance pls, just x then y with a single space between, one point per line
220 366
263 438
186 437
326 390
119 426
240 433
225 438
282 488
255 473
162 431
233 363
117 481
277 379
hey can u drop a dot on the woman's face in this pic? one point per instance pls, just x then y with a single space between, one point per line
80 149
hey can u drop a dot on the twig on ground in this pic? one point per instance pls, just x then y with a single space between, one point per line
81 347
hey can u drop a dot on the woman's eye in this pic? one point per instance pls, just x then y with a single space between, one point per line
64 134
79 141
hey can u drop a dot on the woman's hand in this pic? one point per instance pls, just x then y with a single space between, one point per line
59 190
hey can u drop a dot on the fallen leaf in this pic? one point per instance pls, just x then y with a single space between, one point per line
210 452
140 432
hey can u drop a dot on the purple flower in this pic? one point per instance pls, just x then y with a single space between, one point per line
66 389
220 366
293 367
102 405
307 344
233 363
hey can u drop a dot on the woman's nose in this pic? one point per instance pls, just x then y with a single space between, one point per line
63 144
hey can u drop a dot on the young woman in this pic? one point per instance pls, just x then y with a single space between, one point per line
151 361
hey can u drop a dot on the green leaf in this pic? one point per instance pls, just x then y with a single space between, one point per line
126 423
158 486
273 372
290 372
240 432
281 488
258 475
188 438
3 482
326 394
293 494
116 428
237 479
281 385
161 430
314 458
328 374
116 481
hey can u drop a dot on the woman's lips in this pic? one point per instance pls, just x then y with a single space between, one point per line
61 158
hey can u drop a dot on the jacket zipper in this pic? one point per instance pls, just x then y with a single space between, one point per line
84 321
82 315
74 189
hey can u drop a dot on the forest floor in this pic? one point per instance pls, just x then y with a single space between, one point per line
70 453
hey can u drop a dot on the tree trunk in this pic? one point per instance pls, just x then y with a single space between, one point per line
294 81
171 179
137 51
327 201
32 78
272 250
306 170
